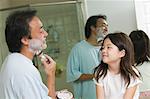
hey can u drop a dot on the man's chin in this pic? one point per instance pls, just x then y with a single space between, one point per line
105 33
44 46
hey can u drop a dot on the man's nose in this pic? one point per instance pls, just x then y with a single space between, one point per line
106 28
103 50
45 33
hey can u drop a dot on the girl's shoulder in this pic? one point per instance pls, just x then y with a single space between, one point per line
135 80
136 70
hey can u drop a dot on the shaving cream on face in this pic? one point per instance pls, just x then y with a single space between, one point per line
100 34
37 45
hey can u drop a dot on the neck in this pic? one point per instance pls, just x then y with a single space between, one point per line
114 68
27 53
93 41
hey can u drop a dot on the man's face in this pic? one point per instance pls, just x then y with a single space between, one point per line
38 35
102 26
101 29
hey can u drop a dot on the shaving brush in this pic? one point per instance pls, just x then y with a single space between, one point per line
37 46
40 52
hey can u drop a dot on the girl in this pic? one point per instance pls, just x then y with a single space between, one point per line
115 77
141 44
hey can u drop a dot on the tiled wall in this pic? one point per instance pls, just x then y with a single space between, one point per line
62 24
14 3
4 3
3 46
0 37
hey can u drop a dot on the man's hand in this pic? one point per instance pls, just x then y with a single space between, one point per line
49 65
50 68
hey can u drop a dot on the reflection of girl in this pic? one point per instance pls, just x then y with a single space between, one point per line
141 44
115 77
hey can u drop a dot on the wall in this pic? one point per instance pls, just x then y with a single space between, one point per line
142 8
4 3
120 13
14 3
3 46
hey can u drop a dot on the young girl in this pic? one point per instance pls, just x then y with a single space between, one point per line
115 77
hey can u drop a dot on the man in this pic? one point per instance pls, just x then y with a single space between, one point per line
84 57
19 78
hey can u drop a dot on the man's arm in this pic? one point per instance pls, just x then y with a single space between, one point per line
86 77
51 85
50 67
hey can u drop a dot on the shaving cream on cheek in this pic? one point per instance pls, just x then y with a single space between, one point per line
36 45
100 34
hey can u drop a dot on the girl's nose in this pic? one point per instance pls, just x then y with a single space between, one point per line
103 50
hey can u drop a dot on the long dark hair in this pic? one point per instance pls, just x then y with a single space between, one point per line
123 42
141 44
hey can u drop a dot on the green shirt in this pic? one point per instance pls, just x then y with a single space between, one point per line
83 58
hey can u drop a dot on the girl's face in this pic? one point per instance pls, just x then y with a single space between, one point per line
110 52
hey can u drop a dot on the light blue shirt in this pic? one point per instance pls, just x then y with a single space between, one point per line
19 79
82 60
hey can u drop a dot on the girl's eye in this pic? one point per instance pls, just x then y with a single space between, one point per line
109 47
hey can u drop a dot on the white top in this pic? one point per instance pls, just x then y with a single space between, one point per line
114 86
145 72
19 79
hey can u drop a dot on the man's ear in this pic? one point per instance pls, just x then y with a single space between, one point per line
122 53
25 40
92 28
